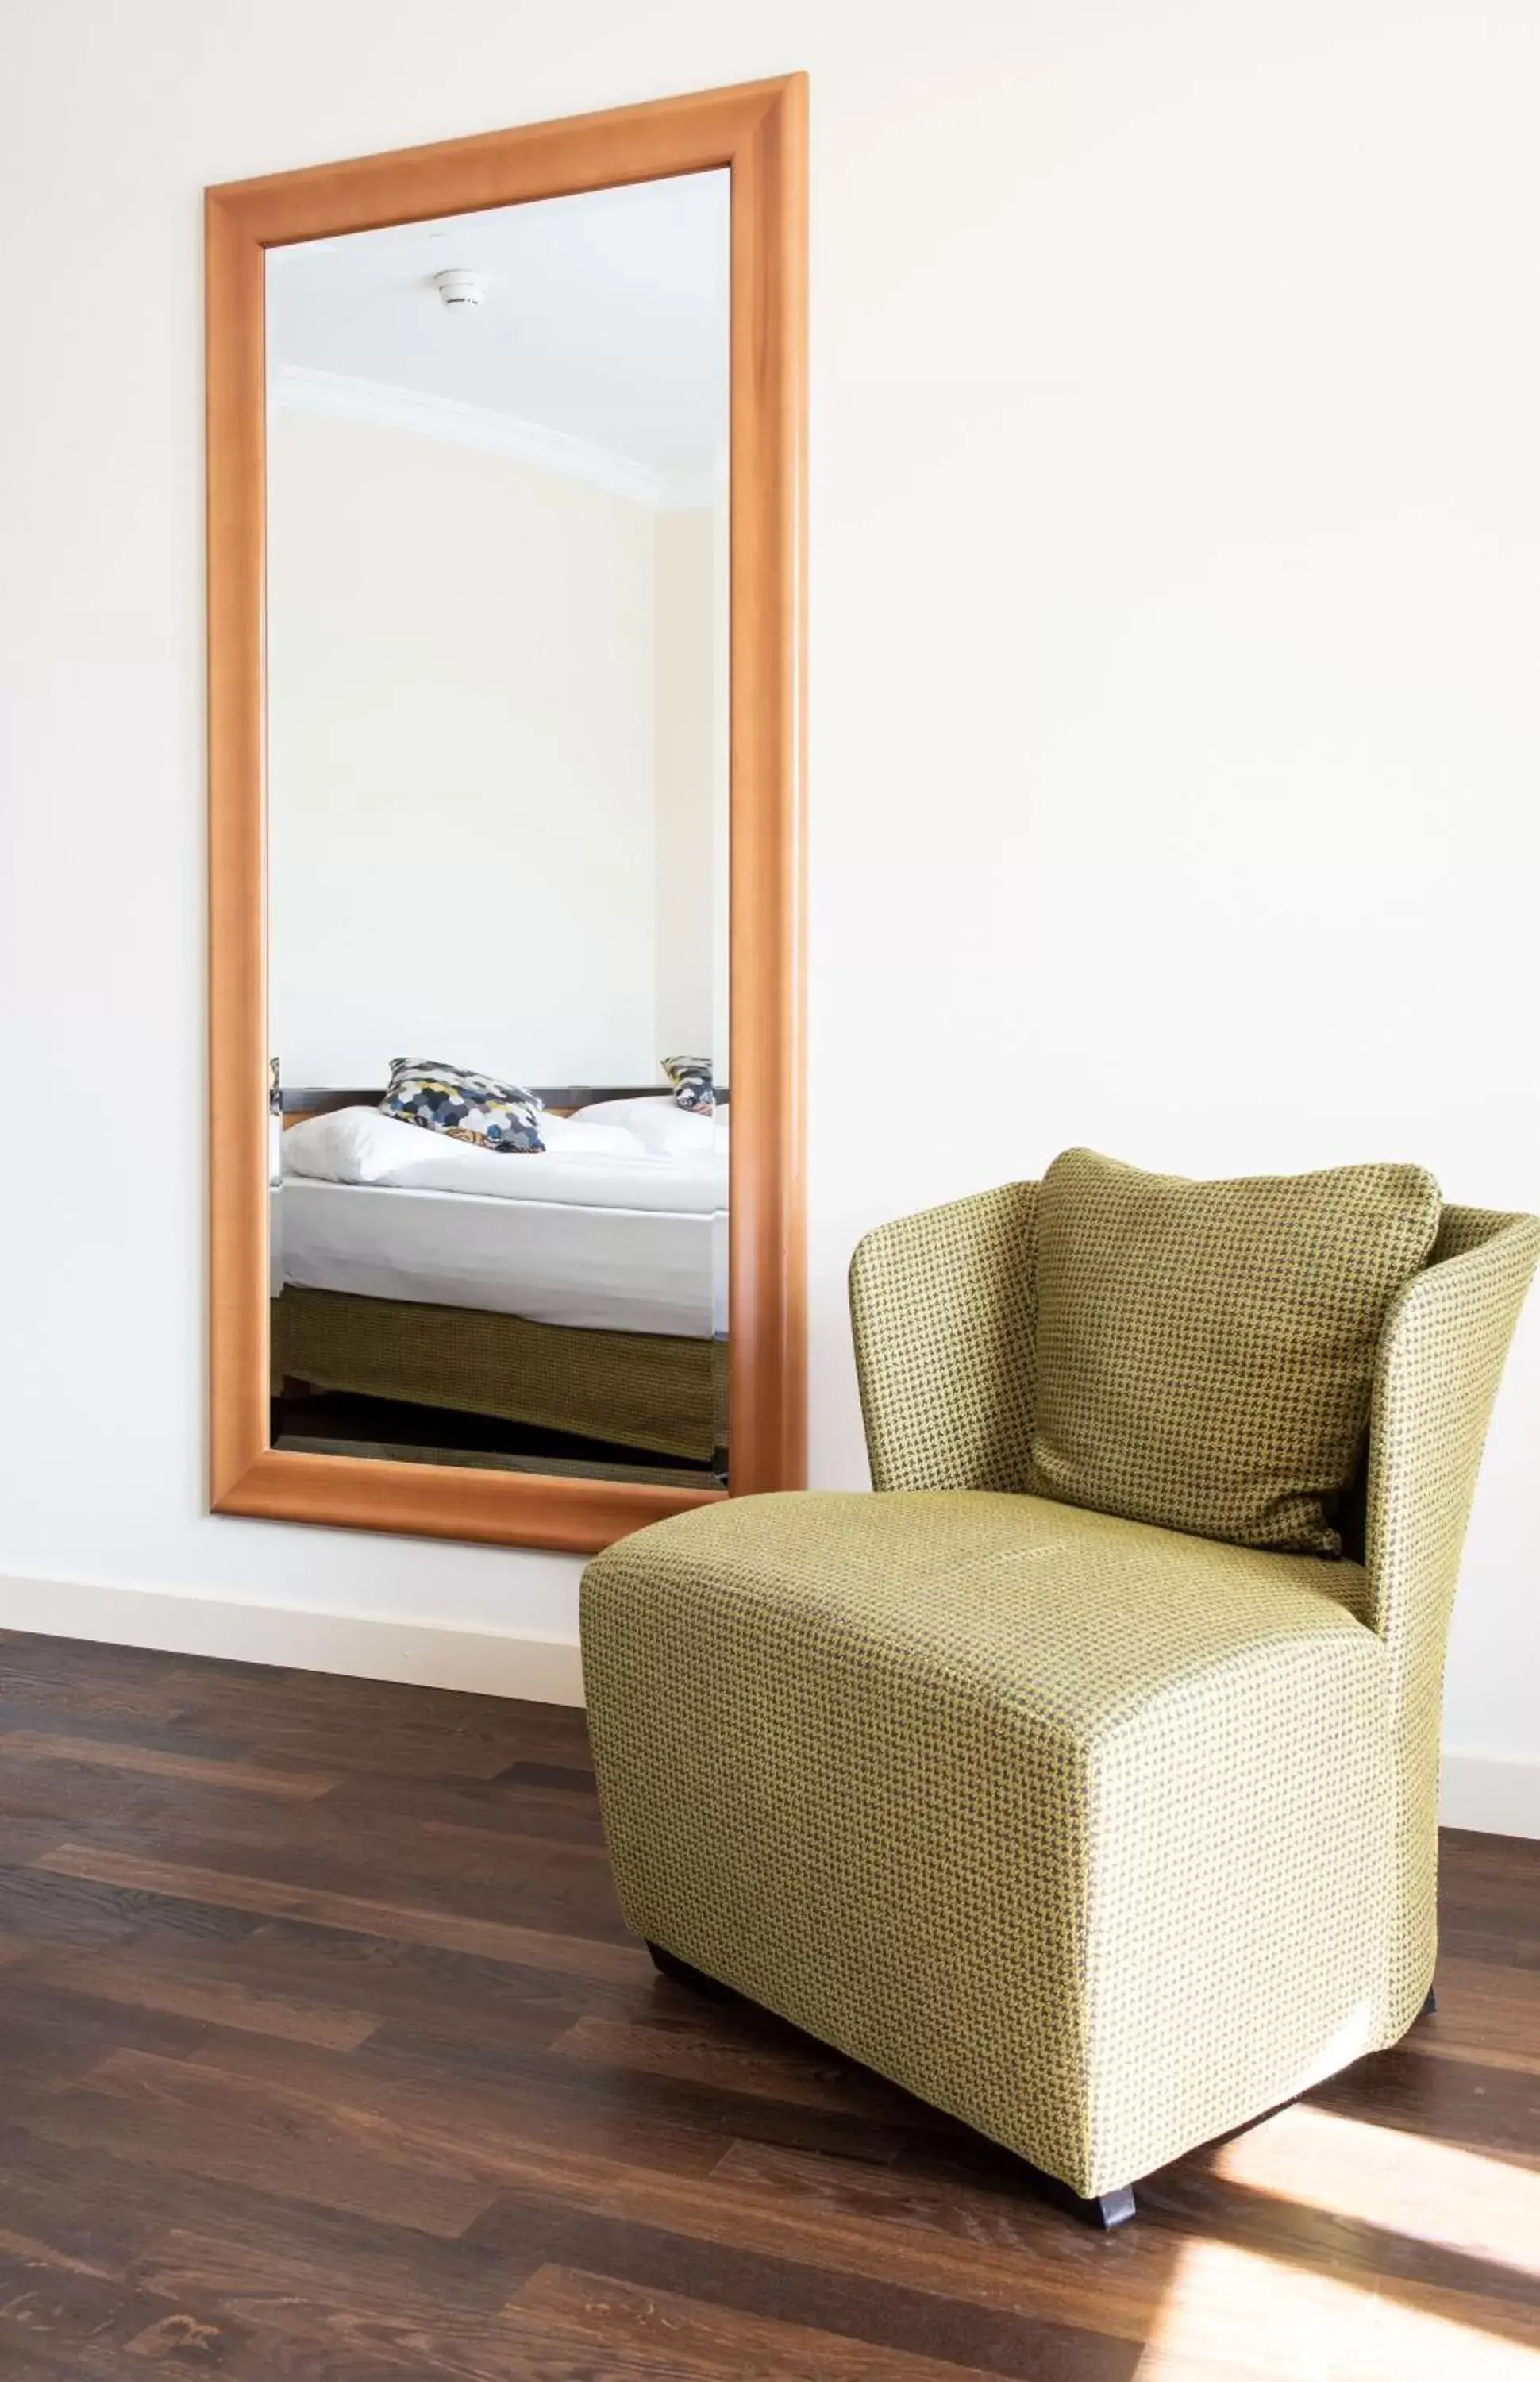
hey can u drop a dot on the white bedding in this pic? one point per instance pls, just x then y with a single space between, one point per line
607 1238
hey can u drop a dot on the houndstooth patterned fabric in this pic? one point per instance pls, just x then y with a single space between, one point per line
1205 1350
944 1309
1440 1361
1008 1800
1103 1837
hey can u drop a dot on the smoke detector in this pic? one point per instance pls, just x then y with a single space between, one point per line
459 289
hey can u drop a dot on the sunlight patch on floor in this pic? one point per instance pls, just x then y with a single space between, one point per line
1430 2191
1233 2315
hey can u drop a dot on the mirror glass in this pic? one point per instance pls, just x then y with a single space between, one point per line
497 836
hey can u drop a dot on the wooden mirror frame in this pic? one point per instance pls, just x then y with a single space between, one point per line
758 131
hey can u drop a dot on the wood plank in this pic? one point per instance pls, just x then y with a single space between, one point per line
39 1745
35 1903
49 2038
54 1803
31 2252
701 2051
420 2279
170 2114
1200 2204
1490 2110
1491 1946
1486 2016
1305 2326
891 2315
98 1718
540 2336
104 2210
660 2328
457 1997
357 2324
566 1955
490 1872
72 2320
515 2095
140 1983
51 1675
474 1875
824 2212
1449 2198
1007 2251
28 1830
568 1778
334 2124
497 2098
519 1848
45 2197
538 1811
309 2315
309 1740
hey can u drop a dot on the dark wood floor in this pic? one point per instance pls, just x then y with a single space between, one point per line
323 2054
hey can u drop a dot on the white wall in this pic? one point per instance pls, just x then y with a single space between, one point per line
1175 556
462 682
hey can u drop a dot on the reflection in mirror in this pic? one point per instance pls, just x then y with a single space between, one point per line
497 864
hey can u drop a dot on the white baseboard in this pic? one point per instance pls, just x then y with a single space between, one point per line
1499 1797
362 1646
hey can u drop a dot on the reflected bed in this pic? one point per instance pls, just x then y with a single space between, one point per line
581 1290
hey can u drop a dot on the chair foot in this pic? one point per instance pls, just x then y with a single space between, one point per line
1107 2209
1103 2210
1430 2005
669 1964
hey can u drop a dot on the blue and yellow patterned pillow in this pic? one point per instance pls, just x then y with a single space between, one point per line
466 1106
691 1081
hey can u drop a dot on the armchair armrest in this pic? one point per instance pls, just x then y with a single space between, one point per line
1440 1359
943 1306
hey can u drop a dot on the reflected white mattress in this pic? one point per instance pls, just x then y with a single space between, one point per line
599 1268
600 1230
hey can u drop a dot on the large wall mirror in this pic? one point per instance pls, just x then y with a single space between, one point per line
506 465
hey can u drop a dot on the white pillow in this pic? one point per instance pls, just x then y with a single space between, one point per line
352 1146
573 1136
361 1146
666 1131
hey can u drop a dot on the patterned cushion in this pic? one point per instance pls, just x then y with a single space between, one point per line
691 1082
466 1106
1205 1351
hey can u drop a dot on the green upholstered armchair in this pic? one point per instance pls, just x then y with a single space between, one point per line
1104 1838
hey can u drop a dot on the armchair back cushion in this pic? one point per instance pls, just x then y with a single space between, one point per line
1205 1351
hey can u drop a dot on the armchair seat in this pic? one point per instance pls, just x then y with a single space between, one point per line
1011 1801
